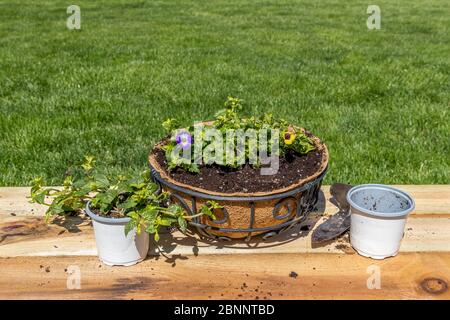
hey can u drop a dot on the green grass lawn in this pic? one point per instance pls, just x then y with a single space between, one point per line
379 99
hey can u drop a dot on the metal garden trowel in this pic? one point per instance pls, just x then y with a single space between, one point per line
338 223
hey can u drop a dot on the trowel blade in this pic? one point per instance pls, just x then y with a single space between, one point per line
338 223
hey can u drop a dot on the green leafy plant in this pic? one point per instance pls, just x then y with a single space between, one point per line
135 197
291 140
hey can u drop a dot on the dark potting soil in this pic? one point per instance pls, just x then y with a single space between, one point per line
292 169
112 215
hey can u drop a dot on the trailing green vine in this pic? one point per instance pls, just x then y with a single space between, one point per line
136 197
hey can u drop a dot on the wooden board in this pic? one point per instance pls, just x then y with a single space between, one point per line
250 276
430 200
29 248
23 231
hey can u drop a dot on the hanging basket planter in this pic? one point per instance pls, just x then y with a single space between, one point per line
244 214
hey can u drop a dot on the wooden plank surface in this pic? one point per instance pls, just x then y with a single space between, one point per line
36 259
430 200
251 276
23 231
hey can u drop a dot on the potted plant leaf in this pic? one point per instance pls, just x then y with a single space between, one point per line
200 163
124 210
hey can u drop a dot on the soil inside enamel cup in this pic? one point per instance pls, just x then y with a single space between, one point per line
382 201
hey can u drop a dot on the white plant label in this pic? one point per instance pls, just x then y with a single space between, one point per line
374 280
374 20
74 277
74 20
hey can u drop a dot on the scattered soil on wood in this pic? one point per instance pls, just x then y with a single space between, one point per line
292 169
343 244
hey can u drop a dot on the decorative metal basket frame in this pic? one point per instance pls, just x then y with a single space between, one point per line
305 204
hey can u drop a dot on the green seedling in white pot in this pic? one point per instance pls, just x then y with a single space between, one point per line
124 210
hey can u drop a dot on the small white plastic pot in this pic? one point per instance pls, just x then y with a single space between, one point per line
114 248
378 218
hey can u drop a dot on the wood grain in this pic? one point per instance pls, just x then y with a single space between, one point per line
36 259
430 200
31 237
25 233
250 276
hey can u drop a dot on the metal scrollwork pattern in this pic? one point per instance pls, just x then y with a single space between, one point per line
289 203
296 209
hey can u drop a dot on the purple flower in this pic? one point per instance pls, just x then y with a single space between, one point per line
184 139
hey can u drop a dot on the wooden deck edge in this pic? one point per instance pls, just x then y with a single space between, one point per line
24 232
253 276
